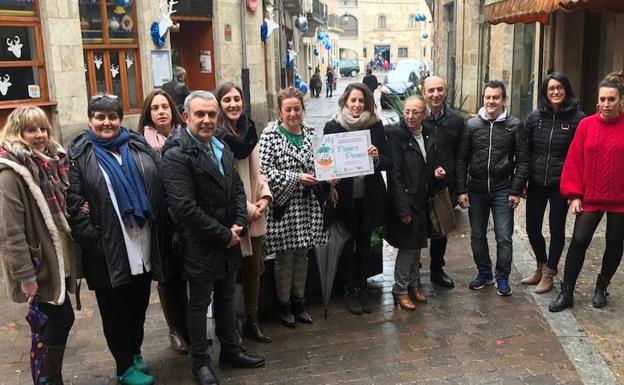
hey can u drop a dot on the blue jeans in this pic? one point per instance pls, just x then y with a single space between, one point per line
479 213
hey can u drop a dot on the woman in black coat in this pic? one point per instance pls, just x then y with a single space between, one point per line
360 202
115 171
408 185
550 130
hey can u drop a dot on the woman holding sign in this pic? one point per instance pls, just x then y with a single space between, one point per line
360 201
295 221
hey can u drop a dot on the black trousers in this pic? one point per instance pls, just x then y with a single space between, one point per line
437 249
60 321
537 198
123 315
225 319
357 249
584 228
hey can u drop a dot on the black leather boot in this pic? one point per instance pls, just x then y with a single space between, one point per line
300 312
54 364
286 316
205 376
353 302
239 360
564 300
364 300
253 331
600 293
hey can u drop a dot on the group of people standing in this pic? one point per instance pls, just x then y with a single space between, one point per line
189 200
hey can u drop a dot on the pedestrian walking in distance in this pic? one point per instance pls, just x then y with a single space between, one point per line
408 183
238 131
360 202
593 181
116 172
549 129
329 82
34 179
160 119
208 205
295 220
443 128
492 169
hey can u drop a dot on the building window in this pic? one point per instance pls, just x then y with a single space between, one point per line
22 61
364 53
381 22
111 51
349 26
402 52
348 3
412 21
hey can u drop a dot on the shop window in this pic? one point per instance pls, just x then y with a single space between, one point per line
402 52
111 50
22 61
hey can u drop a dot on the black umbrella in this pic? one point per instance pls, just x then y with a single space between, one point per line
327 257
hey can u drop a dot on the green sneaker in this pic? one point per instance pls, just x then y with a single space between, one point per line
140 364
134 376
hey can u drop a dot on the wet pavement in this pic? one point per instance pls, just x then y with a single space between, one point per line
458 337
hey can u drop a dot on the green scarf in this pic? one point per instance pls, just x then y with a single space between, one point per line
295 140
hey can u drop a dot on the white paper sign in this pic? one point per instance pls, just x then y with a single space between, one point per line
342 155
161 68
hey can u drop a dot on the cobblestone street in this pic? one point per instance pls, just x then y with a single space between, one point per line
459 336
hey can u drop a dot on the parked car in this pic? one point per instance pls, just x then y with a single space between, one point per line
397 85
349 67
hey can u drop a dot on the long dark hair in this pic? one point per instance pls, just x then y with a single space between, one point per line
146 111
369 100
542 98
221 92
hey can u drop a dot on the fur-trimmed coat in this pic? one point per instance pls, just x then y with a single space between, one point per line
302 223
28 231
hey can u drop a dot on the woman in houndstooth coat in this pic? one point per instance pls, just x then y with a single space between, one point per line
295 220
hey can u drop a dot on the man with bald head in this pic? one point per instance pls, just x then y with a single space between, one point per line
443 129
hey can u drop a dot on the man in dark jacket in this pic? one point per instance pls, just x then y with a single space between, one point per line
492 169
207 199
177 88
443 128
370 80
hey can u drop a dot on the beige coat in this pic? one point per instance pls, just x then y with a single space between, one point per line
28 231
256 187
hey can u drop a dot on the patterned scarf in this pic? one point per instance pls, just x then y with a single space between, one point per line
51 173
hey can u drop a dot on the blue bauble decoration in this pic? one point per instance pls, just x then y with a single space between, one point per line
303 87
124 3
316 52
424 35
297 80
156 38
328 46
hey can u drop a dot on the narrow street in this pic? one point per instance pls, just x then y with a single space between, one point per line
458 337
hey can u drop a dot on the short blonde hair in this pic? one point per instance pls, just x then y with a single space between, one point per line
22 118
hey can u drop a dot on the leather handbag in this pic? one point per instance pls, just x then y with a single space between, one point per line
441 214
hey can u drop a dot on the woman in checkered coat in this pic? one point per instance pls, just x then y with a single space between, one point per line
295 221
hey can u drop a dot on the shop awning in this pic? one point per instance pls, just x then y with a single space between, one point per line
519 11
532 11
593 5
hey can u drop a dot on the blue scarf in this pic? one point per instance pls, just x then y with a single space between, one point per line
125 178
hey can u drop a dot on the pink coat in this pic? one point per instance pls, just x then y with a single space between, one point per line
256 187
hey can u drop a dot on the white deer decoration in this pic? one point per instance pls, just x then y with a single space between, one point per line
166 10
114 70
5 84
15 46
129 61
98 60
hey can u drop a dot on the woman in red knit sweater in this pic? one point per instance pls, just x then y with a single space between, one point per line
593 181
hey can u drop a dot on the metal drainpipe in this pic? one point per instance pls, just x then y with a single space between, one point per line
244 69
461 85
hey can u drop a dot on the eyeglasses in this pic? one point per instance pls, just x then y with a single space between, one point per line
413 112
552 89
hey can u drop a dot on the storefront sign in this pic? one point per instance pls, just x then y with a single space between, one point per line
342 155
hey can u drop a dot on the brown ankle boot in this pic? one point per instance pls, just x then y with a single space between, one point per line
546 283
403 301
177 338
417 295
534 277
